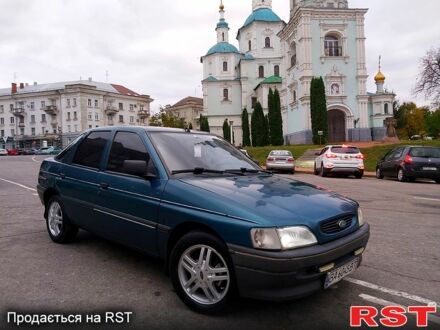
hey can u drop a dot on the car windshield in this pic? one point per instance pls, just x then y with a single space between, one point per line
345 150
425 152
282 153
186 151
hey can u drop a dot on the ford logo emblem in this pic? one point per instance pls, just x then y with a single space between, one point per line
342 224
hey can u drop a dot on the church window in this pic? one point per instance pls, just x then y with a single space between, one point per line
261 71
293 54
225 66
225 94
276 70
250 45
332 46
267 42
254 101
386 109
294 95
223 36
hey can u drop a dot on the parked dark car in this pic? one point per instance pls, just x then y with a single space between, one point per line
220 222
28 151
408 163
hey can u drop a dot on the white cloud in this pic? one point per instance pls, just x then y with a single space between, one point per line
154 47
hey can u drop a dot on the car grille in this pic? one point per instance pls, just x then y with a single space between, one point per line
337 225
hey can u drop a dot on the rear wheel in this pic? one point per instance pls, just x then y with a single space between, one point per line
379 174
437 180
58 224
323 173
401 177
202 273
359 175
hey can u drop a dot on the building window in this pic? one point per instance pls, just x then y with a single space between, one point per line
74 102
68 116
96 116
33 131
254 102
12 120
75 117
250 45
225 94
89 116
225 66
68 103
332 46
276 70
267 42
12 132
294 95
43 118
131 119
2 121
386 109
223 36
11 106
32 119
43 130
141 107
96 104
261 71
69 129
89 103
2 133
131 107
2 109
43 104
121 118
76 128
121 106
32 105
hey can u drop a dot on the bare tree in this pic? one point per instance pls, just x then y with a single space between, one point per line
428 82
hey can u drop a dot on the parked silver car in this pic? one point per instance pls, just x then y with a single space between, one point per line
281 160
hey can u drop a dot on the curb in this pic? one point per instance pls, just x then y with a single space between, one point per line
303 170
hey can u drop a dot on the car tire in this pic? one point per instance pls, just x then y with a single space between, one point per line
358 175
292 172
58 224
323 173
209 297
315 170
401 177
379 174
437 180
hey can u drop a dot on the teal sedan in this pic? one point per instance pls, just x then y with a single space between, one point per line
221 224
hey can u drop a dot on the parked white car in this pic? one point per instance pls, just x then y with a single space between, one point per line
3 152
341 159
281 160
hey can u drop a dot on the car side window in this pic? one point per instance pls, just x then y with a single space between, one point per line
397 153
127 146
323 151
91 149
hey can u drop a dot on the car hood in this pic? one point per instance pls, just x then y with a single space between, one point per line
272 200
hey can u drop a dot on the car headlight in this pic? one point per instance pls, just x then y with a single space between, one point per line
282 238
360 217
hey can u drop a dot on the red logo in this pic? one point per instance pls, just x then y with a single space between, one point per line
390 316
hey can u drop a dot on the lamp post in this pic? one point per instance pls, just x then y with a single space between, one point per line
231 123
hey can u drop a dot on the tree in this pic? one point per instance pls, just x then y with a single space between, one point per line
257 126
204 124
432 123
165 118
318 110
226 130
266 132
428 82
276 121
410 120
245 128
271 114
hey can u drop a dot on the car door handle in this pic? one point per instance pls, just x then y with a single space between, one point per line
104 185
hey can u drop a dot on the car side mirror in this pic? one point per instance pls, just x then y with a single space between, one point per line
138 168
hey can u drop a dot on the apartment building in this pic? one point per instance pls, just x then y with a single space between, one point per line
56 113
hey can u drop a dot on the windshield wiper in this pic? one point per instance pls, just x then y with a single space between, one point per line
244 170
197 170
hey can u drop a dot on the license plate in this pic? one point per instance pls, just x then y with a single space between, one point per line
339 273
429 168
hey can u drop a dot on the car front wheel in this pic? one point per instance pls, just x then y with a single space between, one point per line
379 174
202 273
58 225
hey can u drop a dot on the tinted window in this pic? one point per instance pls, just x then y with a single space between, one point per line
126 146
425 152
396 154
345 150
90 151
66 152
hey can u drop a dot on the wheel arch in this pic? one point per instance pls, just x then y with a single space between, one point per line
48 194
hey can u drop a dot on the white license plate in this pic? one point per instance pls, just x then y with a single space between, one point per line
429 168
339 273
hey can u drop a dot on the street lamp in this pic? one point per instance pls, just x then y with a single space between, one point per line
231 123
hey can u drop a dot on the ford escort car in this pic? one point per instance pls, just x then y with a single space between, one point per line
220 222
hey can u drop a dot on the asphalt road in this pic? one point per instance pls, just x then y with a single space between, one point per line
401 265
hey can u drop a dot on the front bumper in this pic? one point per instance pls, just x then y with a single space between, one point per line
345 170
291 274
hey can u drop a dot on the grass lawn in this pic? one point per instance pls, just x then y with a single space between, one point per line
372 154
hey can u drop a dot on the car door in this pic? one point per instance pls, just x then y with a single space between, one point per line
77 180
318 159
391 162
127 206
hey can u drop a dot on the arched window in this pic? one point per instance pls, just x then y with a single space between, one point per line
293 54
225 94
386 109
261 71
276 70
267 42
250 45
225 66
223 36
294 95
332 46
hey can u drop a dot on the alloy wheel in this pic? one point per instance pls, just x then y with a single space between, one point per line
55 219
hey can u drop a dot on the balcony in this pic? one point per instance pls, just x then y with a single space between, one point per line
21 124
19 111
51 110
143 114
111 111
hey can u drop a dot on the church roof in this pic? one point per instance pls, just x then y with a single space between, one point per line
210 79
262 15
272 80
190 100
248 56
222 24
222 47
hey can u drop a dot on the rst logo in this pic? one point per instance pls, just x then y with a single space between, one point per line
390 316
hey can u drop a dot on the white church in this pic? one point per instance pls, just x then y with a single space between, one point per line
323 38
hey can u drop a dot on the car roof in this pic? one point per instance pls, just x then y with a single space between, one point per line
147 129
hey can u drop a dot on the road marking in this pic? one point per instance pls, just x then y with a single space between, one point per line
382 302
392 292
34 160
20 185
427 199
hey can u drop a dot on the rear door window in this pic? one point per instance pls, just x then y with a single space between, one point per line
91 149
345 150
425 152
